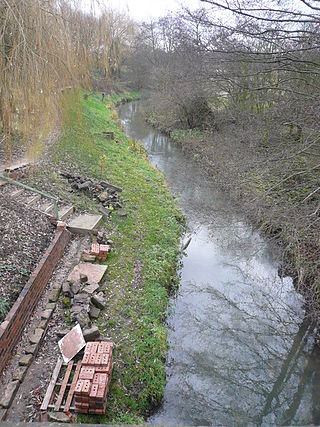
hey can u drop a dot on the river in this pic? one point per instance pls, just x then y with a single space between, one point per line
241 349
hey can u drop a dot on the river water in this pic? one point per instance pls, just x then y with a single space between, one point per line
241 350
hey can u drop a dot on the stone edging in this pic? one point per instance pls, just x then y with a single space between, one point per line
17 318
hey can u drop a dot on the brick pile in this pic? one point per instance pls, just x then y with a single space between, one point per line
94 380
97 252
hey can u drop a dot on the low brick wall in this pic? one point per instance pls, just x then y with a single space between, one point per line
17 318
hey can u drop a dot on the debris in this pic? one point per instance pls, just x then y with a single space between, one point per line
36 337
66 289
86 257
31 349
90 289
98 301
94 272
72 343
75 288
94 312
91 334
83 319
46 314
9 394
59 417
54 295
20 373
26 360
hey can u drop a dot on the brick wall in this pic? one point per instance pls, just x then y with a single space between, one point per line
16 320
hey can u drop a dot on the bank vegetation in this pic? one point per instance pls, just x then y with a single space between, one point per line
238 83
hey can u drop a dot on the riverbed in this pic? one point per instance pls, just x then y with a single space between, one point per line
241 348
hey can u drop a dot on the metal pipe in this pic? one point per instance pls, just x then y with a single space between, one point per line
34 190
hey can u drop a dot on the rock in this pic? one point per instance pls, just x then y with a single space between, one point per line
80 298
20 373
98 301
94 312
62 332
50 306
103 197
75 288
91 289
84 186
76 309
54 295
104 211
36 337
83 319
9 394
59 417
105 184
83 278
91 334
26 360
66 289
31 349
46 314
88 258
43 324
110 242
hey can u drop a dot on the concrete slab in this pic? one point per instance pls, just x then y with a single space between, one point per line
64 212
84 224
94 272
72 343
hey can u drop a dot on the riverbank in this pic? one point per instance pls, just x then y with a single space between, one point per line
268 181
145 234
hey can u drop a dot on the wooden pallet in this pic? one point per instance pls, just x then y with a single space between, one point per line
61 400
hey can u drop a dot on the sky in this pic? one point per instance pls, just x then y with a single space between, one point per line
142 10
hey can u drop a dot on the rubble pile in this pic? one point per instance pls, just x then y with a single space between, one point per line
101 191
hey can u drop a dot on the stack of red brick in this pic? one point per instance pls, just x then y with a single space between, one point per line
94 379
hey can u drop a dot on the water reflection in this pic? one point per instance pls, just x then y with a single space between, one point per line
241 350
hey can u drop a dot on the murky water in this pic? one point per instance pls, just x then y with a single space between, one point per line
241 351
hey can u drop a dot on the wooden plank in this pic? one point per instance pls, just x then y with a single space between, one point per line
73 386
63 386
51 386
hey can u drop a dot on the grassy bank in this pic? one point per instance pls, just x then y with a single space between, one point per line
258 166
142 266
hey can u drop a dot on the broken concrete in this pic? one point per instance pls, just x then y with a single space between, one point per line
94 312
9 394
58 417
26 360
98 301
91 289
20 373
91 334
36 337
94 272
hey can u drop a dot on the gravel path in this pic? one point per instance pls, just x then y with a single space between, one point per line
25 234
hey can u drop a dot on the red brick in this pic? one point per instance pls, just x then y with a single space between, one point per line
86 373
86 387
95 249
79 386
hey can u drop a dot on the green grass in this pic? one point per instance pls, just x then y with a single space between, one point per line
142 266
